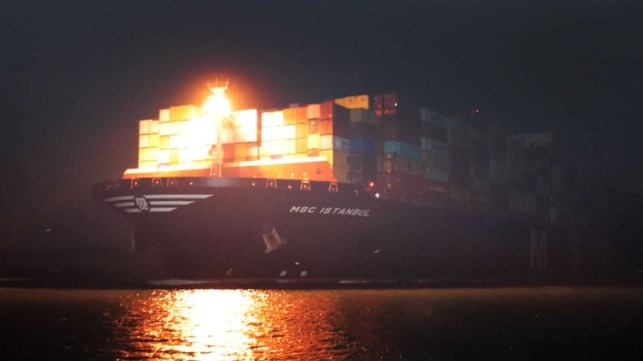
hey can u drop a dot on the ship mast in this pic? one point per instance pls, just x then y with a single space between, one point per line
217 106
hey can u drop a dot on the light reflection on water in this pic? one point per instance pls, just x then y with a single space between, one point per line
413 324
229 325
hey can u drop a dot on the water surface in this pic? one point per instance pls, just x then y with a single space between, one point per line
416 324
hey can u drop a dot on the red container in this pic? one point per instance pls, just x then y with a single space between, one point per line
390 101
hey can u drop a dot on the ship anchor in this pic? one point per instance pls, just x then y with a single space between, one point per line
271 238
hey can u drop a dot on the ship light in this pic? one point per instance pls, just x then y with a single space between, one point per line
218 106
217 103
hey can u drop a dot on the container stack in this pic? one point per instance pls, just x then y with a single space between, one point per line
407 153
529 169
240 137
361 132
334 144
434 129
277 137
399 163
148 144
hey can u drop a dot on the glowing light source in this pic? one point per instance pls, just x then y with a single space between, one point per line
217 102
218 106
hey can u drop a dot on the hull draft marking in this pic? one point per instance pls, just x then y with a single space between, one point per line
154 202
272 239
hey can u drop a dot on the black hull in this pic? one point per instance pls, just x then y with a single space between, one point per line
240 228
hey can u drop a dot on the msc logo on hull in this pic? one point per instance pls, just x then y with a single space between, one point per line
142 204
154 202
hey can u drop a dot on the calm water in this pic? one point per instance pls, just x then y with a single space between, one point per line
427 324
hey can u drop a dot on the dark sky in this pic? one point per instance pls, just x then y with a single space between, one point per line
78 75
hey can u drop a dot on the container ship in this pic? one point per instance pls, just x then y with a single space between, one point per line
359 187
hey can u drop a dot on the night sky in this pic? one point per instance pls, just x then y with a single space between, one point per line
78 75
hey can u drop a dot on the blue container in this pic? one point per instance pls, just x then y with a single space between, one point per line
363 145
402 149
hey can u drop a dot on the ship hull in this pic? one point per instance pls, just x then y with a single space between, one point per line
260 228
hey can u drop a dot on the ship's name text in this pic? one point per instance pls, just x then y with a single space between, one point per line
355 212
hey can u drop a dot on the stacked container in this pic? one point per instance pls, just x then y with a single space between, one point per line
277 137
414 154
148 144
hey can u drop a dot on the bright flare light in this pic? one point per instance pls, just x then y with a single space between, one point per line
217 102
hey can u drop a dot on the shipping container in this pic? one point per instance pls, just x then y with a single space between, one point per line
437 175
164 156
164 115
434 118
378 102
428 143
148 140
301 115
409 186
363 146
313 126
362 162
334 142
341 174
277 147
143 141
362 130
393 129
390 101
359 115
432 131
202 163
144 127
402 149
164 128
148 154
335 157
276 133
459 165
253 152
247 119
301 130
313 111
176 141
154 140
326 110
341 115
290 116
362 116
314 141
154 127
401 165
182 112
164 141
435 160
272 118
147 164
301 145
326 127
172 127
175 156
354 102
240 152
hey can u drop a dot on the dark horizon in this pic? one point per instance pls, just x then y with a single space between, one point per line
79 75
